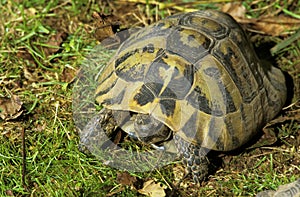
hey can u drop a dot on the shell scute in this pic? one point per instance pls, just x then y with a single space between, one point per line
197 74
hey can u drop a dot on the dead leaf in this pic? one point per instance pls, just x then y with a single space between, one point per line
153 189
284 43
10 107
116 192
269 137
24 54
108 32
179 172
30 11
274 25
9 193
104 25
117 138
125 178
236 10
69 75
270 25
40 127
30 76
54 43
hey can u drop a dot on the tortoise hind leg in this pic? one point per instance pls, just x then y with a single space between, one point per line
194 157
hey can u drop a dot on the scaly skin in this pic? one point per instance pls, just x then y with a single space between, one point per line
194 157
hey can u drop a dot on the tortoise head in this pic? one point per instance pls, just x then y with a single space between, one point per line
149 130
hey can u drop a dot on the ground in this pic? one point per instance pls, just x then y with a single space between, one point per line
42 47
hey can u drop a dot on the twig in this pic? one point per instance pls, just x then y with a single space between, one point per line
24 159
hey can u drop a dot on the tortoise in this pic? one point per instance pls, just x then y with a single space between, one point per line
192 77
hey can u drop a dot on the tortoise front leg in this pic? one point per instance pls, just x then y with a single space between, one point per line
98 131
194 157
95 134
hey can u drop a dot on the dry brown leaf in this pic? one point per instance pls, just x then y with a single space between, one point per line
54 43
117 137
179 172
153 189
24 54
125 178
30 11
40 127
274 26
106 31
9 193
104 25
30 76
115 192
236 10
269 137
69 75
10 107
270 25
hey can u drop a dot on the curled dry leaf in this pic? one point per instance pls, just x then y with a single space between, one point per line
236 9
270 25
10 107
54 43
69 74
9 193
274 25
269 137
24 54
179 172
30 11
104 25
106 31
125 178
153 189
30 76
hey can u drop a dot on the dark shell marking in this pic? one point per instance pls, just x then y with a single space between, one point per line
198 74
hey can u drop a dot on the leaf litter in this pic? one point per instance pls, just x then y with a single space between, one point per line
266 24
10 107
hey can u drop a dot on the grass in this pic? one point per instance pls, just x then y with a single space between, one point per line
41 74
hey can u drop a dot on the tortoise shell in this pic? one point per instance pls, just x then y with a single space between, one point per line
198 74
